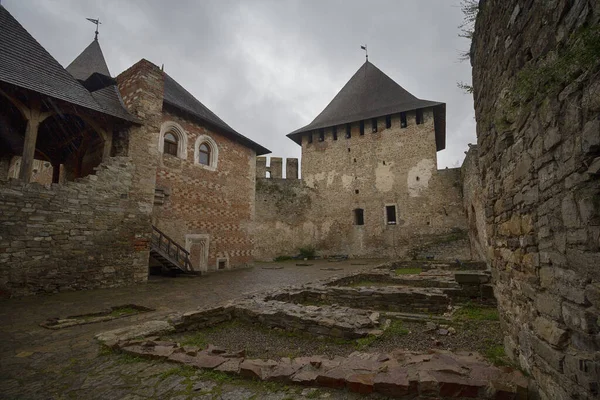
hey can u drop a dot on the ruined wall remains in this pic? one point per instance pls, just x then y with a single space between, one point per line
474 204
209 211
282 217
80 235
536 78
391 167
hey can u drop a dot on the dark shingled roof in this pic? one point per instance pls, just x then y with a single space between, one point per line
368 94
176 96
111 101
89 61
26 64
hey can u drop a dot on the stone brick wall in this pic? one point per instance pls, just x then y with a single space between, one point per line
80 235
218 204
536 77
394 166
282 217
142 87
474 204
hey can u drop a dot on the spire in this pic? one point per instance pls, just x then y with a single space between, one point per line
97 22
91 60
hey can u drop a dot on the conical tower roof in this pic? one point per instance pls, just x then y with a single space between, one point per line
90 61
368 94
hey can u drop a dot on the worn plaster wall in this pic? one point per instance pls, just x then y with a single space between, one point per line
393 166
536 78
216 204
474 205
80 235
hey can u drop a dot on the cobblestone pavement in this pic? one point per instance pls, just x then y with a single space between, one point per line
36 363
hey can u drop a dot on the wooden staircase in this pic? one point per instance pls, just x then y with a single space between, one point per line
169 253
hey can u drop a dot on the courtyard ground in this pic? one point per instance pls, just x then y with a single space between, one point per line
38 363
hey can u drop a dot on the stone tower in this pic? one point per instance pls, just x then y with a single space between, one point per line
369 159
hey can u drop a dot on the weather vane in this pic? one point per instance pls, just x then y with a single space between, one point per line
366 52
97 22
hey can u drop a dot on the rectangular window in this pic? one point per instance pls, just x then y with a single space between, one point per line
321 134
388 121
403 123
419 116
359 216
309 137
362 128
390 215
374 125
334 131
348 131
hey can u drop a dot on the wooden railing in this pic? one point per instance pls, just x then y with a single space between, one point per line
171 250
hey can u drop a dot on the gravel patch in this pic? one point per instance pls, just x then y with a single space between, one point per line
261 342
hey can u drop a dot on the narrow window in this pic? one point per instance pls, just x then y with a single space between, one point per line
321 135
419 116
348 131
309 137
390 215
222 264
403 120
359 216
170 144
388 121
334 131
204 154
374 125
362 128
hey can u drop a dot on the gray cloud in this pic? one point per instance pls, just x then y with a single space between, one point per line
268 67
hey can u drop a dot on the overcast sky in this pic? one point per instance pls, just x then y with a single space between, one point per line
268 67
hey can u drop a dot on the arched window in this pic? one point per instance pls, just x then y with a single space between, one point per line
204 154
172 140
170 145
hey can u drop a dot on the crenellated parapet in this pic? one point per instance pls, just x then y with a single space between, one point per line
275 168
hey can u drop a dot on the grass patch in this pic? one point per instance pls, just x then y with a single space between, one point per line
408 271
196 340
307 252
395 329
476 313
496 355
183 371
118 312
125 358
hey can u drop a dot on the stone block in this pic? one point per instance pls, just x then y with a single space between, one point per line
570 216
550 331
549 304
590 136
553 357
580 318
394 383
592 294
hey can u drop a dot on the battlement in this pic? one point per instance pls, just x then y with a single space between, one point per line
275 169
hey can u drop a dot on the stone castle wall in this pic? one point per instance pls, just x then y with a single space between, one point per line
393 166
216 204
474 204
536 78
80 235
